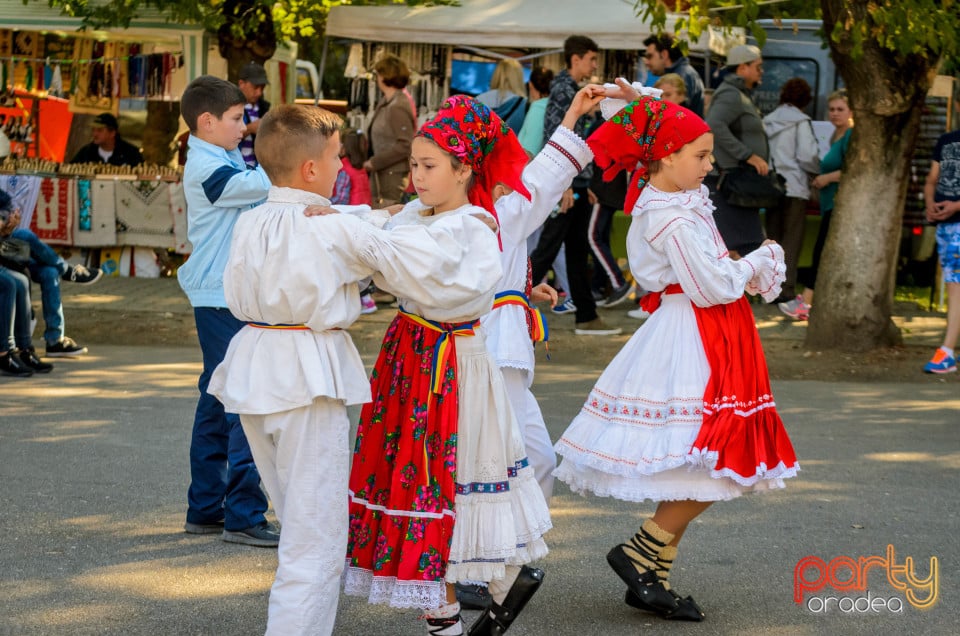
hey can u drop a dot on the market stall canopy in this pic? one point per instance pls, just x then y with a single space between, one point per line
37 15
612 24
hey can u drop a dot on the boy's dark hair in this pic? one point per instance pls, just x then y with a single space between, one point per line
356 148
208 94
665 42
288 134
393 71
578 45
6 202
541 77
796 91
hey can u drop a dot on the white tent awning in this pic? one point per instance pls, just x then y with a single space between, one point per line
545 24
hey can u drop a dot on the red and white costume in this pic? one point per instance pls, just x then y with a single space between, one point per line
684 411
400 513
441 489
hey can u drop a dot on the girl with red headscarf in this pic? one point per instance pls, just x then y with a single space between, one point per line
440 488
683 415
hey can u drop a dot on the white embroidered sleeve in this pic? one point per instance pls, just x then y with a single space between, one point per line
547 176
771 271
610 106
706 278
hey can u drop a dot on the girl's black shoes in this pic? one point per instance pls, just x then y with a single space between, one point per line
687 608
646 592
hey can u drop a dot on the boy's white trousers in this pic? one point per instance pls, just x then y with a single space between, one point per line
540 451
303 457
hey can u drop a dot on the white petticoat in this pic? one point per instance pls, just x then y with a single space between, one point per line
631 440
497 529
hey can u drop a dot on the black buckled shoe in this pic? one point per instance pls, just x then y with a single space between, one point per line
687 608
646 587
498 618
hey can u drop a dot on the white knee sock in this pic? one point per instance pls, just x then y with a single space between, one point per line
500 587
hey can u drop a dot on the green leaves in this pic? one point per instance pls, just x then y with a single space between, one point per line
930 28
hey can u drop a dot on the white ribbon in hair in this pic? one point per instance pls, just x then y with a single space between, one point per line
610 106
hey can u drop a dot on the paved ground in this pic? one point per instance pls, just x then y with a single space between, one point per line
93 458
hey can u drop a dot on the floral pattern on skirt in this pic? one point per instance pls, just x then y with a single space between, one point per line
402 481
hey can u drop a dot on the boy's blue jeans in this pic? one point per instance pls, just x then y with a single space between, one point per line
46 268
224 481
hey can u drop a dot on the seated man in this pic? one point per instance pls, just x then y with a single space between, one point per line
48 269
107 146
17 355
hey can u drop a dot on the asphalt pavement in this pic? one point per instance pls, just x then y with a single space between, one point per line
93 462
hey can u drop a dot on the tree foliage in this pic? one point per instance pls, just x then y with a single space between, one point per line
904 27
290 19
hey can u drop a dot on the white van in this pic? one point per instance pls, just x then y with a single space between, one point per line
308 87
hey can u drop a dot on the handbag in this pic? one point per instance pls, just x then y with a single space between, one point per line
745 187
14 252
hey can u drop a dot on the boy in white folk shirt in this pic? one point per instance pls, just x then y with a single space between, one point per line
291 372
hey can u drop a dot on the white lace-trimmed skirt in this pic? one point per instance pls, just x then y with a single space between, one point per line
492 529
632 437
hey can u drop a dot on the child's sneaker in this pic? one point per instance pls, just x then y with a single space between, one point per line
367 304
65 348
566 307
82 275
796 308
941 362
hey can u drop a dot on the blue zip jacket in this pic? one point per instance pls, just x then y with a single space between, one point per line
217 187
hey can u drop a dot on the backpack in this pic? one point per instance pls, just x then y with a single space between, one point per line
513 112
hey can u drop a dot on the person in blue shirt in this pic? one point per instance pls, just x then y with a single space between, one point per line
942 196
225 495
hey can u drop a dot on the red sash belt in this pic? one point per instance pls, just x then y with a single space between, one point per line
651 300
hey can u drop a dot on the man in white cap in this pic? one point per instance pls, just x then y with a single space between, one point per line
739 139
252 80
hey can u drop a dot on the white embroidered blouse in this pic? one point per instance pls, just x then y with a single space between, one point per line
674 239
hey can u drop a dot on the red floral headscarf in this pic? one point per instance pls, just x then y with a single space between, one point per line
477 136
646 130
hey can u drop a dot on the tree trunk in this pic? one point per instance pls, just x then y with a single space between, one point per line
855 283
163 120
247 34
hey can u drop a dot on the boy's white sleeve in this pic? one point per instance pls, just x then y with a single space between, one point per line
453 264
547 177
365 213
231 187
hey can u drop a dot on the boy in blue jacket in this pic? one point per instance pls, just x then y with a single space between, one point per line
224 495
